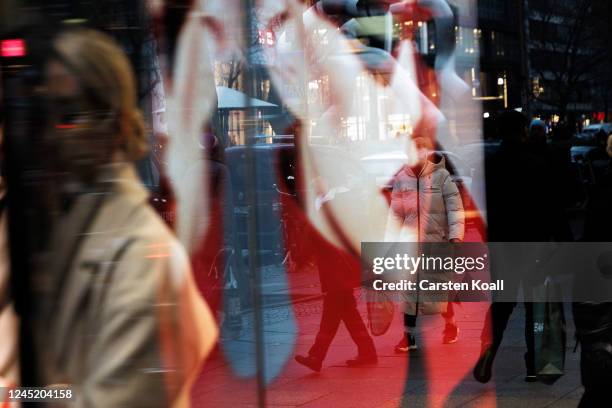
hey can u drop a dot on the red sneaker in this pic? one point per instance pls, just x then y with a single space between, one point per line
450 334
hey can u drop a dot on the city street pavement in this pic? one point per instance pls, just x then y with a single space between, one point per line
440 375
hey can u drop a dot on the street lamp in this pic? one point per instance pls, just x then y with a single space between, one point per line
502 81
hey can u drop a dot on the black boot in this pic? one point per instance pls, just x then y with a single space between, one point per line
530 366
309 361
483 369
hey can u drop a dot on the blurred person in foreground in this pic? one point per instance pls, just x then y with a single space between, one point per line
120 318
521 207
554 170
593 320
9 361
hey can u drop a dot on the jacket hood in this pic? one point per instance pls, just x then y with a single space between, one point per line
435 161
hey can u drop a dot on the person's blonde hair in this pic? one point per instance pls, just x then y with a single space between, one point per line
104 71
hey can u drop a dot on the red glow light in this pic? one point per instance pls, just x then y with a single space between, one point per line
64 127
13 48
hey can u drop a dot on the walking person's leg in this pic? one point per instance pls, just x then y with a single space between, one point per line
530 343
451 330
407 342
495 324
595 373
330 321
357 330
491 337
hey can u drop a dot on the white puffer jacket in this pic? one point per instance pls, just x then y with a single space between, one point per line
426 207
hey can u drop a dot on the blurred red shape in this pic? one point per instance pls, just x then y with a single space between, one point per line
13 48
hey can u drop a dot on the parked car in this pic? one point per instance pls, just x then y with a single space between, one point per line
591 163
590 132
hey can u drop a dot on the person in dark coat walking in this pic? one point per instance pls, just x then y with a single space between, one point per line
593 320
520 208
339 273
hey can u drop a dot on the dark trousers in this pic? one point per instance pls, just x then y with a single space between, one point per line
596 373
340 306
495 325
410 320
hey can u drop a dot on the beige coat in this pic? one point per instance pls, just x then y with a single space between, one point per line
425 207
123 321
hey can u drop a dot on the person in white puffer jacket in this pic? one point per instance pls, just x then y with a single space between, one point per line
426 206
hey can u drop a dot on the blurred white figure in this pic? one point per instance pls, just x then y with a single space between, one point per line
189 105
212 32
299 57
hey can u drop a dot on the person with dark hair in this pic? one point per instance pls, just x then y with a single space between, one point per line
537 133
